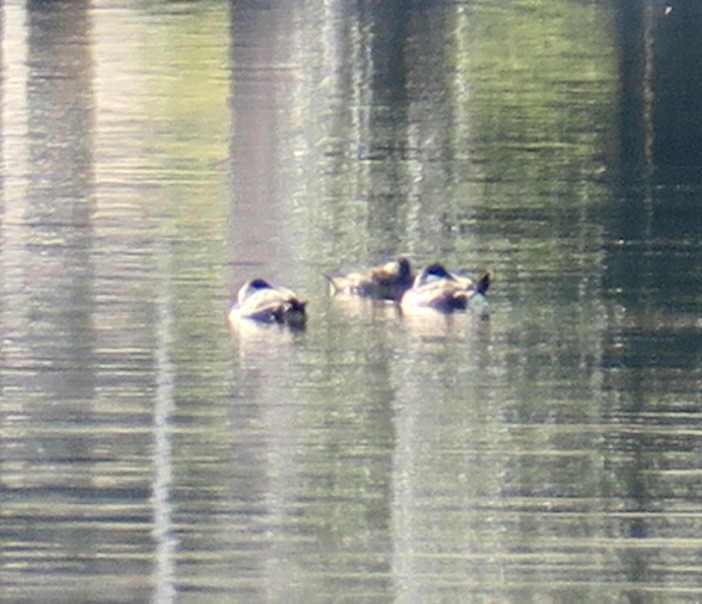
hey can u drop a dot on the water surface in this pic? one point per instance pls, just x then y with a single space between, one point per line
155 156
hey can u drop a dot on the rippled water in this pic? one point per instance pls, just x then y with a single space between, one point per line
156 155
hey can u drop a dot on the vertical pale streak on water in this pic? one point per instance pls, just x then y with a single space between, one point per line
407 579
164 407
14 178
647 93
14 280
347 57
463 134
14 108
360 102
648 98
419 124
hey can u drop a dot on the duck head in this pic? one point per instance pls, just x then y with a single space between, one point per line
433 272
250 287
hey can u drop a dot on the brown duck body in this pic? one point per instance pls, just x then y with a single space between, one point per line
384 282
435 288
258 300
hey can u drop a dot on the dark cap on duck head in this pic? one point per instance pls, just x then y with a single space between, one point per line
437 270
259 283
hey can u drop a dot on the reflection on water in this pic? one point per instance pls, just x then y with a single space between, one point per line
156 157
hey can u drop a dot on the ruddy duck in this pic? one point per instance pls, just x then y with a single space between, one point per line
438 289
384 282
258 300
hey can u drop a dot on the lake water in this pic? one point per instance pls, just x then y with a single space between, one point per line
157 154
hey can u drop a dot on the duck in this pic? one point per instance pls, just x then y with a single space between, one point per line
258 300
387 281
436 288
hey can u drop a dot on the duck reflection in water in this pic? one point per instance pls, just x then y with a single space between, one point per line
260 302
387 281
437 289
